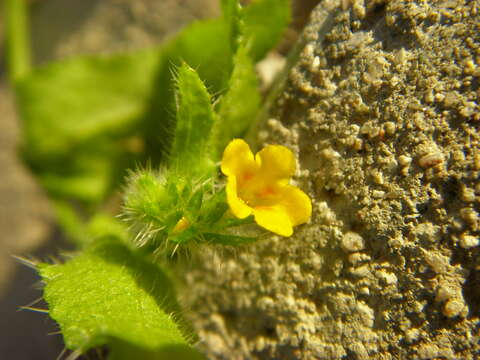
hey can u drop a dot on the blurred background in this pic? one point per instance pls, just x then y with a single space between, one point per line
61 29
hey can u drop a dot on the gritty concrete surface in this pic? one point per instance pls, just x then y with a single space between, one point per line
382 109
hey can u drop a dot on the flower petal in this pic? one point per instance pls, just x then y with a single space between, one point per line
276 162
273 219
296 204
238 159
238 207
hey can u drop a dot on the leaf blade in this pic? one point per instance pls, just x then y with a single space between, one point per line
265 21
195 117
240 103
107 294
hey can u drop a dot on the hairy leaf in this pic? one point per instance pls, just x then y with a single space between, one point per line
204 45
240 104
231 11
109 296
195 117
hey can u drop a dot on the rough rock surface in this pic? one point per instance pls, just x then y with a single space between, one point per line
382 109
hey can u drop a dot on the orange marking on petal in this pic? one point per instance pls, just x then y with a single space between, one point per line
247 176
266 192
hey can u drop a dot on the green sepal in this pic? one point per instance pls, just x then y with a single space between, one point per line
172 220
185 236
195 203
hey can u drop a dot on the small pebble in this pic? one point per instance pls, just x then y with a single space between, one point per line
390 128
453 307
404 160
468 241
430 160
352 242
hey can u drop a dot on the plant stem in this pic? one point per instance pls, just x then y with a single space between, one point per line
17 38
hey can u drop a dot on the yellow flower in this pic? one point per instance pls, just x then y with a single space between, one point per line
259 185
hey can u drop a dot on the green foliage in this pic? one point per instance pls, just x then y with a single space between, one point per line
265 21
231 11
239 106
108 295
195 118
202 46
80 118
87 120
155 203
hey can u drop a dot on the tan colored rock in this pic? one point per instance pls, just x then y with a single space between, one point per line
394 297
352 242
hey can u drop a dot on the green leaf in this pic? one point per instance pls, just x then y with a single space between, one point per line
87 119
239 106
67 103
109 296
226 239
232 16
79 121
125 351
204 46
190 152
265 21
